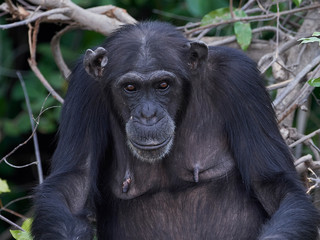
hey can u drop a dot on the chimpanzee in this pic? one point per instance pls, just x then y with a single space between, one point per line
165 138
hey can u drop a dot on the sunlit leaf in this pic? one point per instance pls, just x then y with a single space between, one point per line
315 82
23 235
216 16
309 40
297 2
316 34
243 31
4 186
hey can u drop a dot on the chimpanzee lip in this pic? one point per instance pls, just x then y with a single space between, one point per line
149 147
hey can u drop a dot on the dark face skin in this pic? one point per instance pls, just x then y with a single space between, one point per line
148 103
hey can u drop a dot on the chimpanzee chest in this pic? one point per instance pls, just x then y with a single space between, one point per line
212 210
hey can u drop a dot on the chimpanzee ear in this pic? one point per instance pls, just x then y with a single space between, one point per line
198 52
95 61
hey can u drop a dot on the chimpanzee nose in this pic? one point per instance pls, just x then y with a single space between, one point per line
148 114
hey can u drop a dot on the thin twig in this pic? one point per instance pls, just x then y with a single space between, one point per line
30 137
56 51
278 85
301 140
16 166
16 200
35 137
248 4
303 159
231 8
296 80
11 223
36 17
32 35
255 18
45 83
277 32
299 100
13 213
230 39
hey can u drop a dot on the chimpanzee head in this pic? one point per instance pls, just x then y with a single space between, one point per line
148 69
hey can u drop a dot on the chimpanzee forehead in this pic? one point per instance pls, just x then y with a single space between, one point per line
144 48
145 76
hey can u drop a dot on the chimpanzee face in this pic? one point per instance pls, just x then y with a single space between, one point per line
148 85
148 103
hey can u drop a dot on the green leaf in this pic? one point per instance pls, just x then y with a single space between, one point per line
26 225
309 40
315 82
316 34
4 186
243 31
216 16
297 2
21 235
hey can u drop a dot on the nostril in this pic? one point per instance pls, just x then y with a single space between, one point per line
149 113
149 119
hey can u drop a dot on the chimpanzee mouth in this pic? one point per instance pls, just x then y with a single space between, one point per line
153 145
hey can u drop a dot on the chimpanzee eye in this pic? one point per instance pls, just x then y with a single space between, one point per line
130 88
163 85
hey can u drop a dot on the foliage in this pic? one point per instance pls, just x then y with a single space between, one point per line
315 82
242 30
314 38
4 186
297 2
23 235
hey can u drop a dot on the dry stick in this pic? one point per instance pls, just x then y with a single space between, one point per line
254 31
231 8
13 213
17 147
304 93
16 200
301 99
277 32
32 35
56 51
255 18
277 53
303 159
301 140
278 85
45 82
281 50
248 4
296 80
16 166
11 223
96 22
35 138
32 19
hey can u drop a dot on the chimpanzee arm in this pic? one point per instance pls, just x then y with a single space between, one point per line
292 215
60 202
263 158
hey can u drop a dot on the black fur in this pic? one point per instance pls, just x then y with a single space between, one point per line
229 174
